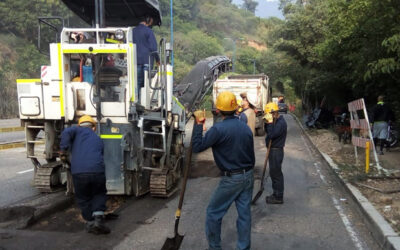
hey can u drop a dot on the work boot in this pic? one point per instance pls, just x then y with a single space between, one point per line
98 226
89 226
273 200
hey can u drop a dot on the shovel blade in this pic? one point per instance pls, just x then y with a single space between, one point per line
253 202
173 243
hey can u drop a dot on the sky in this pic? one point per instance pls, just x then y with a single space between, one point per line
265 8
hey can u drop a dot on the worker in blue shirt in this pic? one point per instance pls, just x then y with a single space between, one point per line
87 169
276 129
232 145
146 46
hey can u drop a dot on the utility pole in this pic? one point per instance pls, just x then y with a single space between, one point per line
234 50
254 66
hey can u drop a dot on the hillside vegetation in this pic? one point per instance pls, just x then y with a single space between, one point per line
342 50
202 29
336 50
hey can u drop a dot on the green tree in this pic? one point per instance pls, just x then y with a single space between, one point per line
250 5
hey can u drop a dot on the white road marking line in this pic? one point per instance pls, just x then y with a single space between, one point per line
349 227
25 171
346 222
320 173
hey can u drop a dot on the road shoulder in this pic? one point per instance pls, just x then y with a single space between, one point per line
381 230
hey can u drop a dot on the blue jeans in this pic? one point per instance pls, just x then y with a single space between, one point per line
90 193
237 188
140 78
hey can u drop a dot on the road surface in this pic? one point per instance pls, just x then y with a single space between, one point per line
16 174
317 213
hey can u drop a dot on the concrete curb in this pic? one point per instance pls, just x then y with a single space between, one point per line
381 230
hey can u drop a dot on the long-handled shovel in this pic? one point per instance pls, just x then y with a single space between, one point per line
175 242
253 202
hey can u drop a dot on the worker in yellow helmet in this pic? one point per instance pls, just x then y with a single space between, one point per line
232 144
88 171
276 129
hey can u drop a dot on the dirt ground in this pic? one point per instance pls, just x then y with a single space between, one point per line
383 191
70 220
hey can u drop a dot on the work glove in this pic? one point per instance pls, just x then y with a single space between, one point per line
200 116
63 156
268 118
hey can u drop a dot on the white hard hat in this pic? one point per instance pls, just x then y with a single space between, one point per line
252 100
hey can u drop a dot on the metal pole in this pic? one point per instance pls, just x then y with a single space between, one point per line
97 21
172 33
99 10
234 55
102 14
96 11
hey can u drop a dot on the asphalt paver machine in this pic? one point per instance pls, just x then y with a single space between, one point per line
93 71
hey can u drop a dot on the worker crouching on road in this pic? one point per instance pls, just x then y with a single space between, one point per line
87 168
276 129
232 145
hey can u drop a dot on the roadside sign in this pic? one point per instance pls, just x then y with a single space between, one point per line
361 130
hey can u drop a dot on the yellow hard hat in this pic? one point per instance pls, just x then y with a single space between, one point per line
86 118
271 107
226 101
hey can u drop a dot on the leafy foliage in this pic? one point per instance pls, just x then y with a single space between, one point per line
250 5
343 49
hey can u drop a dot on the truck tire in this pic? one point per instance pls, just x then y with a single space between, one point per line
260 131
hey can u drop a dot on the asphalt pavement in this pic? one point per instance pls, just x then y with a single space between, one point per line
317 213
11 136
16 174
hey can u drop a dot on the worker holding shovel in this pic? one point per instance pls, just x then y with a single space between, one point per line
276 128
232 144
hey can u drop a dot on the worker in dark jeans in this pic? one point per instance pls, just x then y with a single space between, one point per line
276 129
232 144
146 45
87 169
382 115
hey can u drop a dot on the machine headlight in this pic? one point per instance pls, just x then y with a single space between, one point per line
119 34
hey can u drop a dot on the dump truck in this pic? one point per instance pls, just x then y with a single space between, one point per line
257 88
143 138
